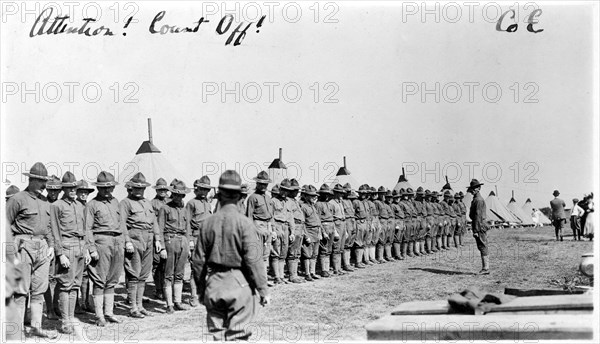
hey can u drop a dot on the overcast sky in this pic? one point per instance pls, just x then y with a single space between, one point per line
365 66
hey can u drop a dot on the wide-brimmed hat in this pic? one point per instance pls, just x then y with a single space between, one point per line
105 180
352 195
555 193
363 189
474 183
447 193
38 171
382 190
457 195
420 191
409 192
203 183
138 181
275 189
54 183
435 194
339 188
83 185
286 184
244 189
161 184
68 180
347 187
13 189
309 190
231 180
373 190
389 193
397 194
262 177
295 185
324 189
180 188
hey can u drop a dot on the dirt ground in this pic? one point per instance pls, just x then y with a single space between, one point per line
338 308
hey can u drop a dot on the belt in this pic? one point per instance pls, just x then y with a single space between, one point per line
220 268
28 236
72 237
339 220
269 220
113 234
326 221
298 221
174 234
280 221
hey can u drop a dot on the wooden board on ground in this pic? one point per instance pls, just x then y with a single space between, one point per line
582 303
541 292
490 327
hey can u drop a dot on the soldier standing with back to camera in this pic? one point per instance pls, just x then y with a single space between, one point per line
199 209
227 265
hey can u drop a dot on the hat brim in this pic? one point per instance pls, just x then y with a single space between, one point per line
470 187
289 188
85 189
181 192
325 192
340 191
160 187
35 176
203 186
310 193
104 184
69 185
263 181
139 185
232 187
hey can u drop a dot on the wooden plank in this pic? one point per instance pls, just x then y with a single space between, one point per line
543 304
540 292
489 327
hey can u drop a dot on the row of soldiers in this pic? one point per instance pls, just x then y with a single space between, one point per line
63 243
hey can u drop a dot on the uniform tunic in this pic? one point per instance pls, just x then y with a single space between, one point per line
283 225
339 221
228 272
458 218
103 219
142 228
325 212
350 224
175 228
313 231
299 228
450 217
432 224
421 227
375 224
66 219
362 215
260 210
479 224
391 223
409 220
383 216
29 219
400 222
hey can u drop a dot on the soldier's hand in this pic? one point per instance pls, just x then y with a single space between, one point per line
86 257
191 246
94 255
64 261
51 252
157 246
265 300
475 235
163 254
292 237
307 239
273 236
129 247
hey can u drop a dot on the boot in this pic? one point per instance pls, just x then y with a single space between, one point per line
404 250
282 271
422 247
99 309
37 306
460 239
388 253
131 298
397 252
139 298
409 247
456 244
359 252
307 264
177 295
485 270
168 293
274 267
269 283
313 269
49 302
438 244
109 304
293 268
416 248
367 255
325 261
193 292
338 264
373 254
63 305
346 261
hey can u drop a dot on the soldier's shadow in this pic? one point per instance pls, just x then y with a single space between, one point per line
443 272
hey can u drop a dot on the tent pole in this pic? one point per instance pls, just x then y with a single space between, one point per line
150 130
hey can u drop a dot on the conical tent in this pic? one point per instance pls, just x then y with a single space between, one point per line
497 208
526 219
446 186
152 163
490 216
402 182
277 170
343 176
528 209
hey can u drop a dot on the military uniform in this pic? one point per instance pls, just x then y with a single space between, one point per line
400 220
421 227
174 222
383 216
351 230
450 218
299 233
339 221
283 226
70 238
85 295
479 224
228 268
199 209
362 215
310 245
260 210
158 264
29 219
325 211
375 226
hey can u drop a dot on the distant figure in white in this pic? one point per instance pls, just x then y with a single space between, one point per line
535 215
